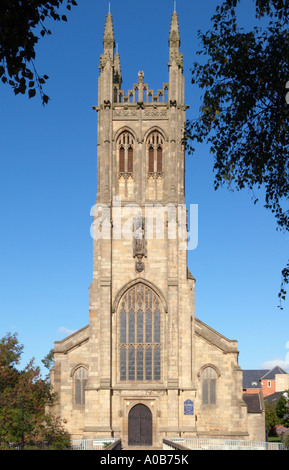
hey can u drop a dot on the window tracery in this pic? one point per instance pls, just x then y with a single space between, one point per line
79 379
155 147
209 382
140 335
125 149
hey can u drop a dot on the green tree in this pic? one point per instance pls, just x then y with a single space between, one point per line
25 401
244 114
22 23
271 418
282 409
48 362
285 440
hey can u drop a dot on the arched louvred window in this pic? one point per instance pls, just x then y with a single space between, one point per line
130 160
115 93
139 338
151 160
125 146
79 379
121 160
155 146
159 159
209 385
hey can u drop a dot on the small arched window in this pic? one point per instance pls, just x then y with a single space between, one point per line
209 382
80 379
155 146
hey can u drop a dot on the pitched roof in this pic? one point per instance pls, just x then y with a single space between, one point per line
271 373
274 396
251 378
253 402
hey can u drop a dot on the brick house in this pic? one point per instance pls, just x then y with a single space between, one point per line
268 381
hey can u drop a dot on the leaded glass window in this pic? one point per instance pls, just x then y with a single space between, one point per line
140 335
140 363
209 379
80 379
123 362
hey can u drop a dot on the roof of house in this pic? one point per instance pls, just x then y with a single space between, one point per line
253 402
274 396
252 377
271 373
281 430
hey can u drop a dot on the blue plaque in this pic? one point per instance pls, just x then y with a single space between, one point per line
189 407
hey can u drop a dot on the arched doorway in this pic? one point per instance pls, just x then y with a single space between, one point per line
140 426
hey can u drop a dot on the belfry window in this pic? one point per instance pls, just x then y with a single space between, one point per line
151 159
159 159
130 160
155 147
121 159
125 147
80 379
140 335
209 379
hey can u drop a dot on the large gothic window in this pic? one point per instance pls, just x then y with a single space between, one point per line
125 148
155 146
140 335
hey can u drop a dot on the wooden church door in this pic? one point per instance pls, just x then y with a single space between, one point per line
140 426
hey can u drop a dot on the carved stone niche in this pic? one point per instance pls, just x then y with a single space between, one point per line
139 243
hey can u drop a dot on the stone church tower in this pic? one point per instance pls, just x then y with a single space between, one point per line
145 368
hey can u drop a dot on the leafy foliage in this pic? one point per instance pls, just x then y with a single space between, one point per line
282 409
244 115
21 23
48 361
285 440
25 399
271 418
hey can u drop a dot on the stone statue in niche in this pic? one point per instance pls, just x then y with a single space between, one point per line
139 242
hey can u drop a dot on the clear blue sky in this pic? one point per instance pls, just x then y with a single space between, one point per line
48 159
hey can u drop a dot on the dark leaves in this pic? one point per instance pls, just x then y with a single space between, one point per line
19 25
31 93
244 115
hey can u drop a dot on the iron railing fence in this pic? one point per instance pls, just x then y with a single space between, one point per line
190 444
92 444
225 444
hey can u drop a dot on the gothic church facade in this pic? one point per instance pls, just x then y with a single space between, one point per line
145 368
